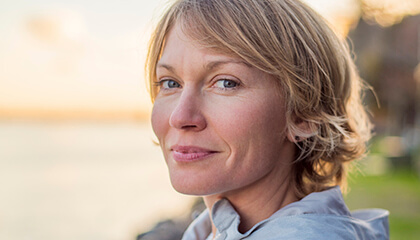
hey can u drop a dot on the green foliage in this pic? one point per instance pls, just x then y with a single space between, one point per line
398 192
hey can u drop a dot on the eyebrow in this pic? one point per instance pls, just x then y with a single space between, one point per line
217 64
209 66
168 67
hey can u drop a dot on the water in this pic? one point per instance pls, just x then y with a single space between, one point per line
82 181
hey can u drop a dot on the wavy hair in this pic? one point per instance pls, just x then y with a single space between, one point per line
313 66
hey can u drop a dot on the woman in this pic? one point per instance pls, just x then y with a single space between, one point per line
257 109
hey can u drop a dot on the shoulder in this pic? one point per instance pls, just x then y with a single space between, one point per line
321 215
317 226
324 215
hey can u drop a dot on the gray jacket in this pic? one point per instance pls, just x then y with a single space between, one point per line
320 215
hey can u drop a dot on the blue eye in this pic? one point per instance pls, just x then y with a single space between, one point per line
226 83
170 84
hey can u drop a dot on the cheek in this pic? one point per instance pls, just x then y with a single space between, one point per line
250 121
253 132
160 120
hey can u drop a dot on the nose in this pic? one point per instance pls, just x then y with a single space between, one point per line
187 114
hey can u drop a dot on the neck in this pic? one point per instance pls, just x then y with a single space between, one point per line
260 200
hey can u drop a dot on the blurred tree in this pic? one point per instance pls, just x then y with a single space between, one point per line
387 44
388 12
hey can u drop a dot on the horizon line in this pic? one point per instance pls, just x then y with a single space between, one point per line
60 115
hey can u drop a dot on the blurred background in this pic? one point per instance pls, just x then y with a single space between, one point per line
77 159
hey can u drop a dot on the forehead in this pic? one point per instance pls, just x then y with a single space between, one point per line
200 37
180 45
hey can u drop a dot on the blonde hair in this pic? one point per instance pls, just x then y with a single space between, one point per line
288 40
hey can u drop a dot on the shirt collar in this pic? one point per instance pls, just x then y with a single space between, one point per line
227 220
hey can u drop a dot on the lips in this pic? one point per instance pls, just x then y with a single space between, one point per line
190 153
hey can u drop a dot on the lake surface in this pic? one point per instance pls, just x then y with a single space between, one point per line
82 181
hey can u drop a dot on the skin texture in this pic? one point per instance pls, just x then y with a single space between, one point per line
222 129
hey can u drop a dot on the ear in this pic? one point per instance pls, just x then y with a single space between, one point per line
301 130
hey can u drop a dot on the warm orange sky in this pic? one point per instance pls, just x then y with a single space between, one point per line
86 55
74 54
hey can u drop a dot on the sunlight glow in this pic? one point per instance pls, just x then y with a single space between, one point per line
77 57
389 12
341 15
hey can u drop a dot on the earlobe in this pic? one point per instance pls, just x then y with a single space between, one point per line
293 138
301 131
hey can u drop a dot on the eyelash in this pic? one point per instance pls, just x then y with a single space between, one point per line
161 83
224 88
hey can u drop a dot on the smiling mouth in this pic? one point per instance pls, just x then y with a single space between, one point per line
190 153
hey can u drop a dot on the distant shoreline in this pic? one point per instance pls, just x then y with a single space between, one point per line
71 115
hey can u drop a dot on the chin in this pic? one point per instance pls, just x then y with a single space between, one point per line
193 186
195 189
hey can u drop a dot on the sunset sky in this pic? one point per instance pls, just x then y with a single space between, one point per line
87 55
74 54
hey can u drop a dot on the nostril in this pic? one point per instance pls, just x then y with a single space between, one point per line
187 115
189 126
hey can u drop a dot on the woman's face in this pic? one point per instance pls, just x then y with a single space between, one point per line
220 122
